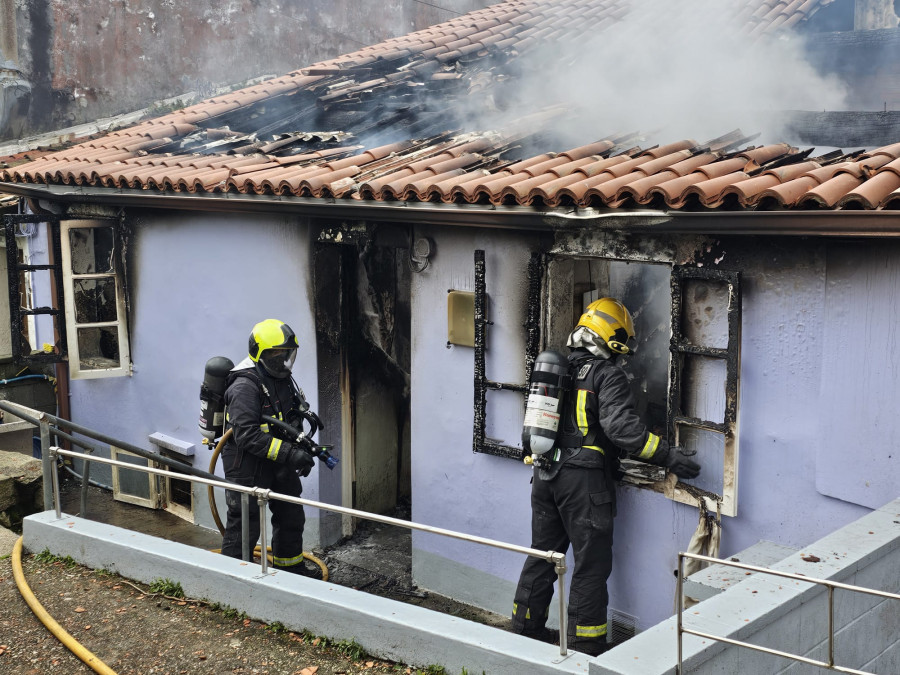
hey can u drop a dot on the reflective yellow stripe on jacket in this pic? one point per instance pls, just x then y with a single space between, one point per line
649 447
274 447
581 418
581 411
590 631
274 444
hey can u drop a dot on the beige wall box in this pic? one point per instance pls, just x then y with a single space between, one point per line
461 318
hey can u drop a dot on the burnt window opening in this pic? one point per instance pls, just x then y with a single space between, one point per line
704 389
481 443
176 494
645 289
684 371
23 332
94 299
37 332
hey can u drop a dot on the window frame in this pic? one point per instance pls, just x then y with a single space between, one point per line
21 317
76 372
154 498
731 354
639 474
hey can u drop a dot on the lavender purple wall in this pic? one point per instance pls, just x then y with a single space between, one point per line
784 445
198 285
452 487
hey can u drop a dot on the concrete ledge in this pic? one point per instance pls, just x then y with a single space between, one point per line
385 628
716 578
781 613
166 442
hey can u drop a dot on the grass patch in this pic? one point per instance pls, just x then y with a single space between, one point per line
167 587
351 649
48 558
230 612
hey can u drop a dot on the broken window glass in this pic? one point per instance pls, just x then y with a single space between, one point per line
98 348
95 300
92 250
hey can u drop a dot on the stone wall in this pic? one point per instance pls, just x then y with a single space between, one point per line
87 60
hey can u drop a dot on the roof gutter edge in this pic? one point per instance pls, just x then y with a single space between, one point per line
784 223
472 215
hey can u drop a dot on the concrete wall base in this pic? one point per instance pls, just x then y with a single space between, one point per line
788 615
385 628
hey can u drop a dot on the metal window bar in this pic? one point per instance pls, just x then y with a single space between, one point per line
14 268
263 496
830 585
532 327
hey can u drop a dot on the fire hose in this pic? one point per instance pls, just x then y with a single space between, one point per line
58 631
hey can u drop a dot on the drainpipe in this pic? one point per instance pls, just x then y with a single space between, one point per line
62 369
9 45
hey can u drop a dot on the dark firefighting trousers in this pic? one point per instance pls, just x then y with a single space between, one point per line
577 508
287 519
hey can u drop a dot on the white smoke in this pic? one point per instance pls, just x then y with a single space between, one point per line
687 69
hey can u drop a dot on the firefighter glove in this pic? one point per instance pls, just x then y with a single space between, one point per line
680 463
299 459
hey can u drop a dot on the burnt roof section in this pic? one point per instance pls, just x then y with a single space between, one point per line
382 124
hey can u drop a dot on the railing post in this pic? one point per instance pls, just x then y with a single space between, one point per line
560 561
262 497
679 609
51 452
48 467
245 527
830 626
85 482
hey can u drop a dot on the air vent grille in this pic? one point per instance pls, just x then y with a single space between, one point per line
622 626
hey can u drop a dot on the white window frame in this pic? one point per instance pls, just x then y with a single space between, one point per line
151 502
76 372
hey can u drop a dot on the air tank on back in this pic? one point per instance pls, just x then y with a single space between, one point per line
212 396
545 398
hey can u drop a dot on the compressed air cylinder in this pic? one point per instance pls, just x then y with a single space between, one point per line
212 396
545 397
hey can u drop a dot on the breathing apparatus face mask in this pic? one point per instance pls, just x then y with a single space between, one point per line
278 362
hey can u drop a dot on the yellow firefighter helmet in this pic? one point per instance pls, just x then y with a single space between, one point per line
609 319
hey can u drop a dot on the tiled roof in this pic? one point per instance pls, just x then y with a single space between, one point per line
390 142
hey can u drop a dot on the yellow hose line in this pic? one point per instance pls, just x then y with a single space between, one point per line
215 511
70 643
209 488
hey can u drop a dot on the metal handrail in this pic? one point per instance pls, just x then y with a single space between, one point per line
263 496
830 585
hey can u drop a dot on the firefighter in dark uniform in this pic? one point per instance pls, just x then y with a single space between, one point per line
256 455
573 499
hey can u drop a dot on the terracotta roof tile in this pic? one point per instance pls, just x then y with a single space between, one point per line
749 190
195 149
827 194
872 193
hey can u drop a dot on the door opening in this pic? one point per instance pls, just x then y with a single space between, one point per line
363 335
